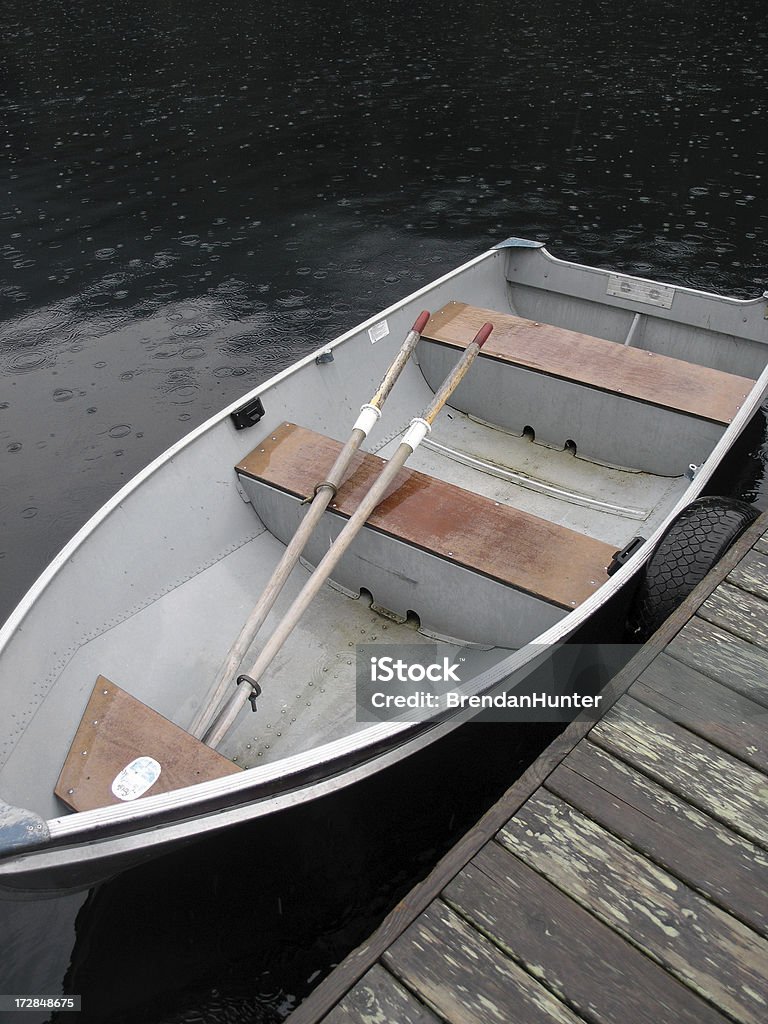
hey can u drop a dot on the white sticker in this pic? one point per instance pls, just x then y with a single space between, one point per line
378 331
641 291
136 778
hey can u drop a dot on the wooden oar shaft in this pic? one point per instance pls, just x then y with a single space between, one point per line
457 374
377 492
402 357
322 497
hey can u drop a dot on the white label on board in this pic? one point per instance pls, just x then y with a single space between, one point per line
378 331
641 291
136 778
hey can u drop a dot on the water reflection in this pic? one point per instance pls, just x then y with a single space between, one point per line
38 938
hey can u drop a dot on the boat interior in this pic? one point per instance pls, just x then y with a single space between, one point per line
578 428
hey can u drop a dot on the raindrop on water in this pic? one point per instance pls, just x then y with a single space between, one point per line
119 430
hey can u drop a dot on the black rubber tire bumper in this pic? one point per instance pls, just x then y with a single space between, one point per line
691 545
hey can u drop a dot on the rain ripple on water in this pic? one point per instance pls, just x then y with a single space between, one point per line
180 388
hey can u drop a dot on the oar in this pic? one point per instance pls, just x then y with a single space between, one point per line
324 492
419 428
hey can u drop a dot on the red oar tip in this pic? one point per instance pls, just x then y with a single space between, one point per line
482 335
421 321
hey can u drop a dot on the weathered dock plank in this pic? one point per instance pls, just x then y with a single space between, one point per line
709 857
465 978
536 924
736 663
725 718
706 948
378 997
718 783
739 612
752 574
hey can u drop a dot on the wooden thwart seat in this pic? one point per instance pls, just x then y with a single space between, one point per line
541 558
635 373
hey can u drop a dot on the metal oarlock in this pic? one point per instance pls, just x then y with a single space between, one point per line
254 687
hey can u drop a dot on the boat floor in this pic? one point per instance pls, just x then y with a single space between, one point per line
608 503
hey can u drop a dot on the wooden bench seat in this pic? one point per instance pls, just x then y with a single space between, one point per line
556 564
605 365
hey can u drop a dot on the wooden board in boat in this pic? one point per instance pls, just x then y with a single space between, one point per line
606 365
116 730
519 549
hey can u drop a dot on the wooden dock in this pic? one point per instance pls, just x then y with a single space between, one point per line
623 878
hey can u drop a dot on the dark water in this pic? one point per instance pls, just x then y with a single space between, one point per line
193 195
